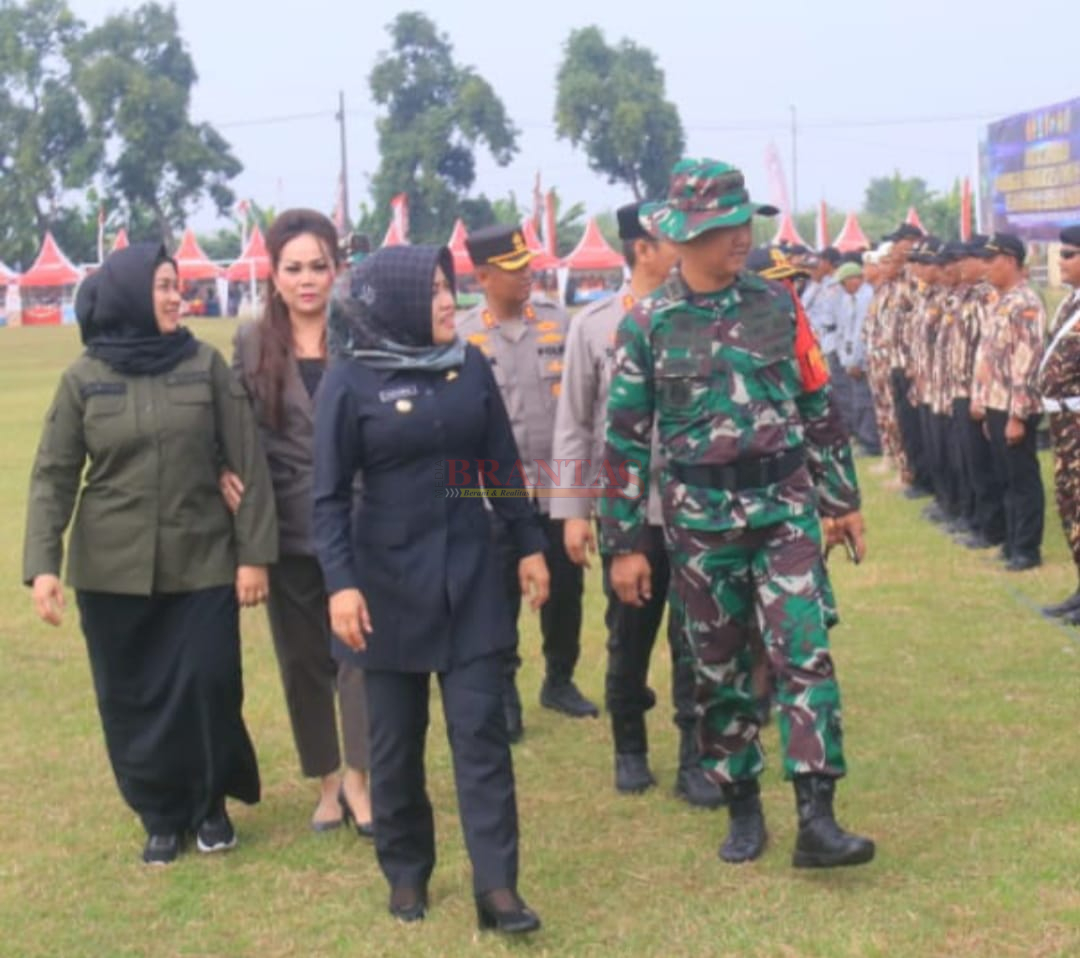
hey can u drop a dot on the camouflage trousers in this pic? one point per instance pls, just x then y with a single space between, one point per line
1065 435
877 373
722 584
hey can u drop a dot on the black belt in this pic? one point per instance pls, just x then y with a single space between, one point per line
742 474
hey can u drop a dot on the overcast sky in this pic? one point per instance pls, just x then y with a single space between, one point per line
860 75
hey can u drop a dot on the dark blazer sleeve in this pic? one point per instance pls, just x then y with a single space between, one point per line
337 455
517 512
255 523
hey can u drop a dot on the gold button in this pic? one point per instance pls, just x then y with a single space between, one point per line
451 376
403 406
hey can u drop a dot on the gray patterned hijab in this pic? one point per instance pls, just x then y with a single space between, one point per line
381 311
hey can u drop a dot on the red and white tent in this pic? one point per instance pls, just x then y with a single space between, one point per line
51 268
193 263
593 252
913 219
463 264
398 233
253 260
786 233
121 240
542 259
851 237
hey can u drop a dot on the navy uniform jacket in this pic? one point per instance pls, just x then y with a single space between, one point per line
423 561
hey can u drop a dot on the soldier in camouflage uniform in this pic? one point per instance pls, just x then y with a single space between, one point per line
1059 383
877 338
1006 398
726 365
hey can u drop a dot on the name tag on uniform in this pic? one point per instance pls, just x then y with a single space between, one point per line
86 390
398 392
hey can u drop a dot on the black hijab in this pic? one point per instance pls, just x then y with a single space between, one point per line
115 310
381 312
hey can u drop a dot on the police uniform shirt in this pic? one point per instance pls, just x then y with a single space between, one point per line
581 418
526 357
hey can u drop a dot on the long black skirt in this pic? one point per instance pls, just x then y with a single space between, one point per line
170 692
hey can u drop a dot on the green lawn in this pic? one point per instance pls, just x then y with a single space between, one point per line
961 729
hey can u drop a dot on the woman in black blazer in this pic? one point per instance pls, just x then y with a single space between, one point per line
414 587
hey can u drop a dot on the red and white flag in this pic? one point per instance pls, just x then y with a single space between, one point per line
400 207
821 231
550 239
778 193
339 217
965 210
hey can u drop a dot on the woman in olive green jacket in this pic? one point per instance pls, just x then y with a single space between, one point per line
158 563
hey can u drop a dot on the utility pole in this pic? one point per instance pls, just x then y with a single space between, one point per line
794 163
344 161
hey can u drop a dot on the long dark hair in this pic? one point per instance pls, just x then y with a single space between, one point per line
276 339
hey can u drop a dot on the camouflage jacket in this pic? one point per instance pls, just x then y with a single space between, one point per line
1059 373
945 375
1007 358
875 329
899 320
728 376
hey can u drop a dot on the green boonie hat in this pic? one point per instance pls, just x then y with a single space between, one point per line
703 195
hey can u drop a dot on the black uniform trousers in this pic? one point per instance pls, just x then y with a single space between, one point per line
958 453
1017 470
987 490
907 416
560 616
483 773
631 636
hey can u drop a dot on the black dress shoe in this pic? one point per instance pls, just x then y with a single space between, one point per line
632 775
408 903
1071 604
502 910
162 849
565 697
1021 562
363 829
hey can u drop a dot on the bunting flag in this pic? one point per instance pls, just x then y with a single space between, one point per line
821 232
550 239
965 210
778 194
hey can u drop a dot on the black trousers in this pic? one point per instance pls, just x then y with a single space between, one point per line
910 432
631 636
170 691
300 627
1017 470
483 773
560 616
959 458
987 489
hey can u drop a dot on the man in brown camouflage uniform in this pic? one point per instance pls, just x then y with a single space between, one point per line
1005 396
1059 383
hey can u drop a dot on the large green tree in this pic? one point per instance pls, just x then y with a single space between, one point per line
46 147
136 75
435 115
611 103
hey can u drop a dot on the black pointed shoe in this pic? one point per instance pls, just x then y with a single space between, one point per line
363 829
408 903
821 842
746 834
1063 608
563 696
632 774
503 910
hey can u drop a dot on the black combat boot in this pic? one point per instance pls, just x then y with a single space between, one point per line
746 834
821 842
692 785
632 773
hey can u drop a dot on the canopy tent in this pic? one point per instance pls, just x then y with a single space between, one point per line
463 264
51 268
398 232
121 240
542 259
593 252
787 234
193 263
851 237
254 261
393 235
913 219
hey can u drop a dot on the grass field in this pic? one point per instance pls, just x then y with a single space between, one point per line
961 712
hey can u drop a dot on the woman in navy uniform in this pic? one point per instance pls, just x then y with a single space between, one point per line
414 587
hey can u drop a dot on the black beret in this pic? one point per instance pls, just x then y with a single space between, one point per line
630 227
502 246
905 231
1008 244
1071 235
832 255
954 250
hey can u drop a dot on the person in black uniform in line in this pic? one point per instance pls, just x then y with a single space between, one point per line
413 582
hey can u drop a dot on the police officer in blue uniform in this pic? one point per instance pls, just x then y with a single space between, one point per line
413 582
